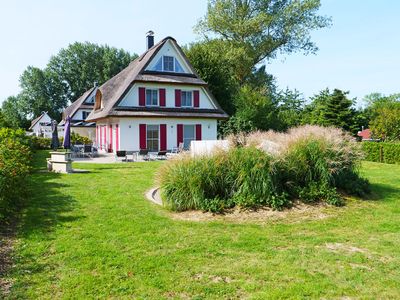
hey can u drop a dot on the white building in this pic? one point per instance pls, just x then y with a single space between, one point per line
156 103
41 126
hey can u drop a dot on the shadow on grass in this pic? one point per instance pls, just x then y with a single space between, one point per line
380 191
47 206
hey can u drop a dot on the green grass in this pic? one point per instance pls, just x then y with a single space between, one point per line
94 235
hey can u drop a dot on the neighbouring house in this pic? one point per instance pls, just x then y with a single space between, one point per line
41 126
158 103
365 134
78 111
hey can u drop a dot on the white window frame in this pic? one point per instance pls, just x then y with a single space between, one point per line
156 91
191 99
153 139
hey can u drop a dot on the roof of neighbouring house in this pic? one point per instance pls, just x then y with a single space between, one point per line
118 86
365 134
35 121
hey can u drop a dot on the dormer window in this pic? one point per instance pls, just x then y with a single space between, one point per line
151 97
187 99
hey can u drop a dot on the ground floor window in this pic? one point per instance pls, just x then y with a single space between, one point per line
189 135
152 135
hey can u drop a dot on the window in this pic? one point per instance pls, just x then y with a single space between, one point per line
85 114
151 97
187 99
188 135
152 138
169 63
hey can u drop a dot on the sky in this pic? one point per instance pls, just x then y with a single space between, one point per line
358 53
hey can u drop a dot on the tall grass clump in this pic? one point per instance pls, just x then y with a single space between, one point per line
309 164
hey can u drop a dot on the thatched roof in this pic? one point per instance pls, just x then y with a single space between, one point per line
118 86
77 104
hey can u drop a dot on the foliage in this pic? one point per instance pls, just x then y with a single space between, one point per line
331 109
385 123
258 29
214 66
15 159
78 139
66 77
385 152
41 143
13 115
268 169
290 108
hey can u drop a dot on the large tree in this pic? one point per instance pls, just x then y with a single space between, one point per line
258 29
67 75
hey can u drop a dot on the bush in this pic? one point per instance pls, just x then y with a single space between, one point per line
15 160
41 143
384 152
309 164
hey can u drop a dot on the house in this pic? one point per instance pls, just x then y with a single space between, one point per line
365 134
41 126
78 111
156 103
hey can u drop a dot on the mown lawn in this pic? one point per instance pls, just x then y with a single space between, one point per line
94 235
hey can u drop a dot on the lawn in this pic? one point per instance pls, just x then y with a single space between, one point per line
95 235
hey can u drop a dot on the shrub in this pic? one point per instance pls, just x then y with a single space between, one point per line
41 143
309 164
15 160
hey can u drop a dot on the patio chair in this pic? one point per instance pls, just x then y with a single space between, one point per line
161 155
144 153
121 154
87 150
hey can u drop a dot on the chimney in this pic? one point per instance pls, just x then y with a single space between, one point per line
150 39
95 84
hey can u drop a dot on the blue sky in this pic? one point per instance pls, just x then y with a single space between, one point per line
359 53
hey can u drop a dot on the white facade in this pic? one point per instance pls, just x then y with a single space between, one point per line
132 97
41 128
127 134
79 114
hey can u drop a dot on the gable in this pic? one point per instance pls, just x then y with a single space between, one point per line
163 60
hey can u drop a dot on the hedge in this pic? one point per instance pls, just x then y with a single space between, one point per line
383 152
15 163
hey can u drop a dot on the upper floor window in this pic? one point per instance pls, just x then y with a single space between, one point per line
151 97
187 99
168 64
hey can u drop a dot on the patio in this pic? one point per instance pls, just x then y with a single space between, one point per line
109 158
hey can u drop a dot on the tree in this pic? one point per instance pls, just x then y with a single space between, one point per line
13 115
385 117
66 77
290 108
258 29
81 64
331 109
215 68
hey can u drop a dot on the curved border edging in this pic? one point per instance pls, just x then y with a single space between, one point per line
154 196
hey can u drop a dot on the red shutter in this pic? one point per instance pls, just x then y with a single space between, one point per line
142 96
101 137
142 136
196 100
179 134
110 148
163 137
97 135
198 132
178 98
105 137
162 97
116 137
